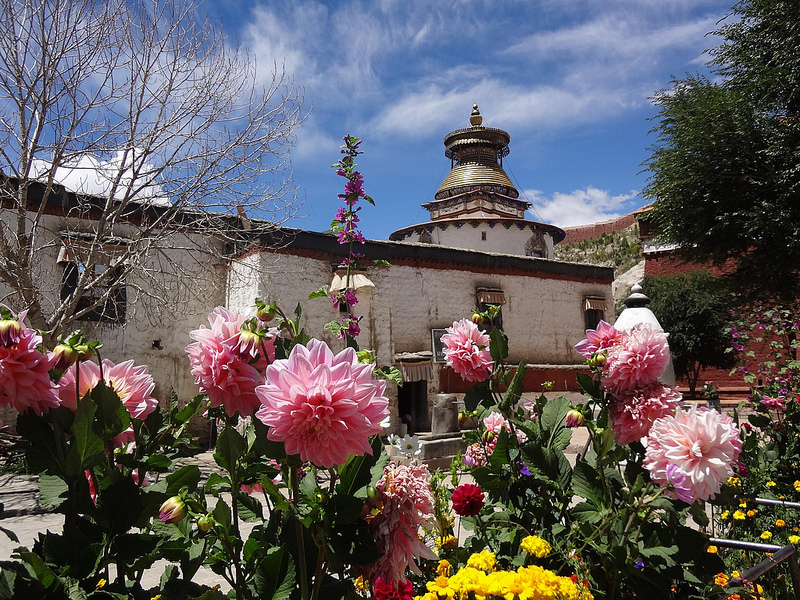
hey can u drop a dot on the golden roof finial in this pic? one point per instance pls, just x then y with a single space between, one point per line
475 118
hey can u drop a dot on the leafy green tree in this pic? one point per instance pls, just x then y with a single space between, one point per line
694 309
726 164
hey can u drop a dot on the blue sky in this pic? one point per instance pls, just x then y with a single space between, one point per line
569 80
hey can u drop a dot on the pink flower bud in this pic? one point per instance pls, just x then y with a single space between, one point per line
66 356
173 510
9 332
574 418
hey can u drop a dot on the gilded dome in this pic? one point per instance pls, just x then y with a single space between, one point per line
471 174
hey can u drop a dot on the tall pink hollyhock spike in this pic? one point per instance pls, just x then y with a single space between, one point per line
694 450
636 361
404 504
133 385
24 373
218 366
323 407
466 350
601 338
633 414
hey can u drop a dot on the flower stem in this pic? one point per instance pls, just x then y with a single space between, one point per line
298 526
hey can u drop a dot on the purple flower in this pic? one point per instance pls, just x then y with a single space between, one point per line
639 564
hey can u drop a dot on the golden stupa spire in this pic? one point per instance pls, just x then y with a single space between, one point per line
475 118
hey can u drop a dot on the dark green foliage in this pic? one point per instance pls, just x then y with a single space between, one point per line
726 165
695 310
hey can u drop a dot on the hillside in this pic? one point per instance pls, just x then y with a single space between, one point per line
620 250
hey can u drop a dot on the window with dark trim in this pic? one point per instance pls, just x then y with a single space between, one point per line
594 308
111 283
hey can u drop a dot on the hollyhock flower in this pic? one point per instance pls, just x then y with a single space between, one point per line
403 504
133 385
702 444
633 414
324 407
637 360
467 500
598 339
770 403
466 350
219 368
24 373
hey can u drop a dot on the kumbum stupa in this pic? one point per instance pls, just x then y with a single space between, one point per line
477 207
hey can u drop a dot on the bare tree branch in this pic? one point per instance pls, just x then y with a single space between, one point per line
157 125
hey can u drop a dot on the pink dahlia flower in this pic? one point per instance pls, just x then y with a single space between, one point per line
133 385
221 363
24 373
323 407
598 339
702 444
404 503
633 414
474 456
637 361
496 423
466 350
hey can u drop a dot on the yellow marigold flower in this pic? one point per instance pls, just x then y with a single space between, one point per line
771 484
445 569
794 539
156 597
448 542
751 513
482 561
733 480
766 535
362 585
739 515
780 523
428 596
721 579
536 546
735 574
725 514
742 503
782 497
796 485
441 587
101 584
711 549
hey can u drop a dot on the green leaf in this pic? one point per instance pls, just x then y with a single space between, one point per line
250 509
390 373
555 411
320 293
586 483
217 483
111 418
498 345
356 473
86 448
52 490
478 394
500 456
514 391
10 534
588 386
275 577
381 263
41 453
222 514
333 326
346 509
699 514
187 476
587 513
230 448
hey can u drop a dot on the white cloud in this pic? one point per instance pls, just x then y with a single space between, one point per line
579 207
